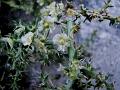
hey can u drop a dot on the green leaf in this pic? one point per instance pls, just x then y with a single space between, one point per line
8 40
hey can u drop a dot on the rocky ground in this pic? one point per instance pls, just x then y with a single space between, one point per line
106 48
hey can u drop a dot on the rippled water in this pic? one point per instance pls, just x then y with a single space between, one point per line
106 48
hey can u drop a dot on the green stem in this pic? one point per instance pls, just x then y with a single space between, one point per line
71 49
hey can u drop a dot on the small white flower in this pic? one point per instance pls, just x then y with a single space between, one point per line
27 38
56 8
47 23
61 40
53 9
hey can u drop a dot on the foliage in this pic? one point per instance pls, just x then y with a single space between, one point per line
33 42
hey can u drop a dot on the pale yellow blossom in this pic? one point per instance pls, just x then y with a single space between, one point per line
62 41
47 23
70 12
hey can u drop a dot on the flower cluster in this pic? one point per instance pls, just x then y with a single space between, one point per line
49 15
